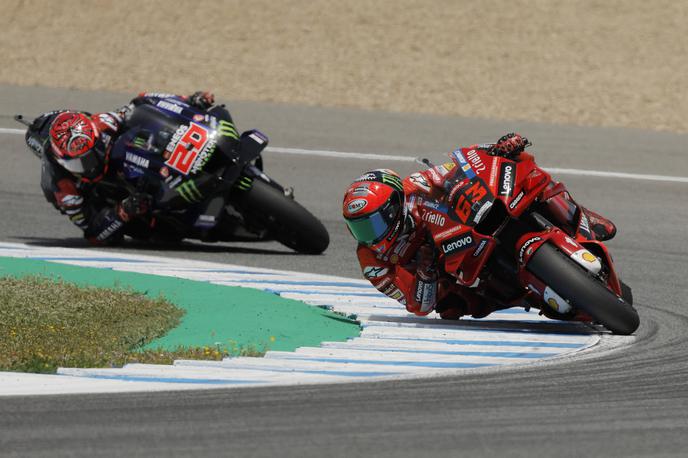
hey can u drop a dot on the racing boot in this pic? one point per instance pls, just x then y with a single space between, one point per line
451 307
603 228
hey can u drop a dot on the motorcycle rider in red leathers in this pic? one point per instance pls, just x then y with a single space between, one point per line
396 250
75 148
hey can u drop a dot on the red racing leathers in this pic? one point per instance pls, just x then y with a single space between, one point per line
407 271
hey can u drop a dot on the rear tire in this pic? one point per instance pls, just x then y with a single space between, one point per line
582 290
286 220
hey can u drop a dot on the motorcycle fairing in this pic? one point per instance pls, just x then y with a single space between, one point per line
480 179
589 254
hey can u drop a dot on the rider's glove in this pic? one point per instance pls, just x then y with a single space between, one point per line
426 265
134 206
510 146
125 111
202 100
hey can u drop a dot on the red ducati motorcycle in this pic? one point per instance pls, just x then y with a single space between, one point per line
500 238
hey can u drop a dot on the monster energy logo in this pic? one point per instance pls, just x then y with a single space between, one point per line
227 129
244 183
393 181
189 192
139 142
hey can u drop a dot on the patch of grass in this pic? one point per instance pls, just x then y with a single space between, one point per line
45 324
348 317
215 353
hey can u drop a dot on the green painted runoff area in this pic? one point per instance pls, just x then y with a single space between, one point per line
215 315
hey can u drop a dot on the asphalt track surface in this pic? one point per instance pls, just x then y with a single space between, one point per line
628 402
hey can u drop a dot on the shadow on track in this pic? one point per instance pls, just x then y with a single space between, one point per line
179 247
553 327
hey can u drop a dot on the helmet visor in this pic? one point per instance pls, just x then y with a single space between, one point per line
87 165
372 228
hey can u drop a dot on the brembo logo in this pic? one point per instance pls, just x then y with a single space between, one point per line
454 245
356 206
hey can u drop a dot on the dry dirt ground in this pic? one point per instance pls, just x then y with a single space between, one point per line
591 62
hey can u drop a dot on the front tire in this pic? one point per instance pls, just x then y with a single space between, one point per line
284 218
583 291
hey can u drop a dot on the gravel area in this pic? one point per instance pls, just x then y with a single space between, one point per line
587 62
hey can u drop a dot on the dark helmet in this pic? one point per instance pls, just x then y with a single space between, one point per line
73 136
373 208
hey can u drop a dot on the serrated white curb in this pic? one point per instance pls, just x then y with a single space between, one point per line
392 344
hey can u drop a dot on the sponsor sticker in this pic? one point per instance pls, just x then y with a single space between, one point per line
493 172
108 120
445 168
476 161
434 175
482 211
189 149
426 295
507 176
456 244
435 205
419 180
35 144
385 281
481 247
588 260
360 191
517 199
584 226
589 257
162 95
137 160
525 246
402 246
356 205
257 138
555 301
463 163
111 229
431 217
395 293
448 232
374 272
169 106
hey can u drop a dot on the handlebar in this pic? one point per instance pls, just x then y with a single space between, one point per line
20 119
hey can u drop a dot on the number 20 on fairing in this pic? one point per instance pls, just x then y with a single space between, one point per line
188 148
